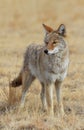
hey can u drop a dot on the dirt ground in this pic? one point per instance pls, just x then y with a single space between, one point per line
21 25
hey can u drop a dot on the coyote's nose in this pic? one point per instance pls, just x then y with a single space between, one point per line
46 51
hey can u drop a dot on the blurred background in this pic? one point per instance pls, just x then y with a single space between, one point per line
28 15
21 18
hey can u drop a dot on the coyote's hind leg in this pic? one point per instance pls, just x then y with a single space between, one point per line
27 79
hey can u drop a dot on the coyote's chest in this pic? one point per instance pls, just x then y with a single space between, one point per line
49 75
46 68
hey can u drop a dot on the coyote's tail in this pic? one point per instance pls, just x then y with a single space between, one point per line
17 81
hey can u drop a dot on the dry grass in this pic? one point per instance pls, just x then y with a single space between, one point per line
20 25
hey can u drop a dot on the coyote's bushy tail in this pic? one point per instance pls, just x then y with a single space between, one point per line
17 81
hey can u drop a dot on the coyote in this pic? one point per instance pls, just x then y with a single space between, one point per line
47 62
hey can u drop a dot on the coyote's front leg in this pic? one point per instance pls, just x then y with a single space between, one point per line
43 97
59 97
49 98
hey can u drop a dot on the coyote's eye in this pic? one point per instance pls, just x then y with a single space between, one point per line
46 42
54 42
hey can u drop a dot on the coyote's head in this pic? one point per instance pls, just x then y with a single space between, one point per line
54 39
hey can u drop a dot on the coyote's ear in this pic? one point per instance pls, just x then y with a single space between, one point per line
62 30
47 29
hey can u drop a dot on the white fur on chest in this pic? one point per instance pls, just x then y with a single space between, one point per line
46 76
51 76
35 71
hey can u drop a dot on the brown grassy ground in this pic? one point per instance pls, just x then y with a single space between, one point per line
20 25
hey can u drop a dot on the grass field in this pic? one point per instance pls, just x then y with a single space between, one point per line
21 25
